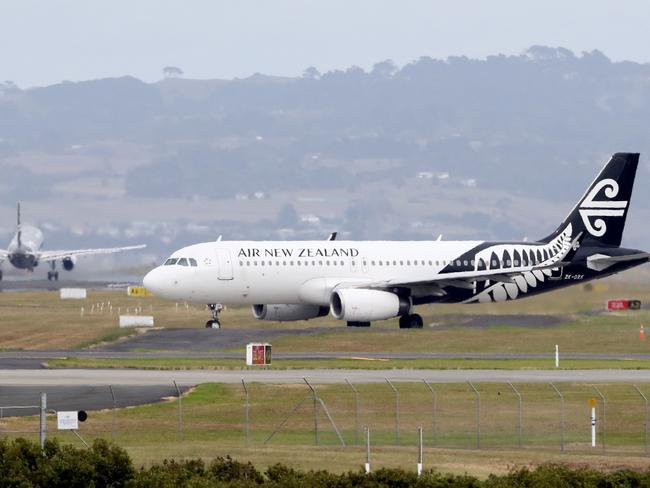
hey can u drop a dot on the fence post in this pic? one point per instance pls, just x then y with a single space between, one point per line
420 461
356 411
478 415
180 413
433 412
246 419
561 416
520 412
645 419
367 436
314 398
604 416
114 413
396 410
42 420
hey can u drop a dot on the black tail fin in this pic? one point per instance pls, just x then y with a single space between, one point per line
602 210
18 228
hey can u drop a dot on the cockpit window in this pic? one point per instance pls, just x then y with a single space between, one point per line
182 262
192 262
171 261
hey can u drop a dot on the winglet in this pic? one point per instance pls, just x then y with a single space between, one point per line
332 236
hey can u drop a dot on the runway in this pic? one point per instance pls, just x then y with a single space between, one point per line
36 359
129 377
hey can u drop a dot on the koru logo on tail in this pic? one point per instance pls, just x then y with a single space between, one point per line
591 208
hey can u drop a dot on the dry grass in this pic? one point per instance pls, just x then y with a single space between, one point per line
40 320
214 426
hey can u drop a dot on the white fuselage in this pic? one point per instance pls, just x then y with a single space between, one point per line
294 272
23 252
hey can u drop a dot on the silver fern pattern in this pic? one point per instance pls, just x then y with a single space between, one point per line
511 258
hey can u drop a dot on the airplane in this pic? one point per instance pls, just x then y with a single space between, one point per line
24 251
365 281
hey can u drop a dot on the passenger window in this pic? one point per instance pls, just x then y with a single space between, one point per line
430 263
182 262
408 263
372 262
248 263
313 263
342 263
437 263
472 262
465 263
458 262
241 263
353 263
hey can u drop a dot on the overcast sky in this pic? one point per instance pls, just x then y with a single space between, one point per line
46 41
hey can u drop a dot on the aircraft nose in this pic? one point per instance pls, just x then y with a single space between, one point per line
154 281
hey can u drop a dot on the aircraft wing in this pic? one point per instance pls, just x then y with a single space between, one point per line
465 279
47 256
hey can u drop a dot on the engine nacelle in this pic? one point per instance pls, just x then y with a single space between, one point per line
360 305
283 312
69 262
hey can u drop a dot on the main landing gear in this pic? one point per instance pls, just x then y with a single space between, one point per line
412 321
358 324
214 323
53 274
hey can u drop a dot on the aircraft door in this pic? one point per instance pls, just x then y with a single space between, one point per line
225 264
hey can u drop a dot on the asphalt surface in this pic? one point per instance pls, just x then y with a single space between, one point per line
79 397
38 359
36 378
26 285
206 340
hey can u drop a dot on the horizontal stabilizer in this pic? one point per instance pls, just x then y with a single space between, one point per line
599 262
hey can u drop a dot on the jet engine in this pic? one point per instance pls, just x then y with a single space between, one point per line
283 312
361 305
69 262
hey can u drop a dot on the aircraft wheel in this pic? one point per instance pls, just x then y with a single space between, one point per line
358 324
416 321
0 275
213 324
56 276
49 276
413 321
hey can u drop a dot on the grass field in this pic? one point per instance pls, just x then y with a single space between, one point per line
213 425
40 320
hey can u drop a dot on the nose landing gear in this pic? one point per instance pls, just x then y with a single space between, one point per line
214 322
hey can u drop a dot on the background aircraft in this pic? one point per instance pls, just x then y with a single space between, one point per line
24 251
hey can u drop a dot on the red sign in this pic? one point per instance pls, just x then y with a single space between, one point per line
623 304
258 354
619 304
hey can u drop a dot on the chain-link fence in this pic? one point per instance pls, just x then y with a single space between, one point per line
486 416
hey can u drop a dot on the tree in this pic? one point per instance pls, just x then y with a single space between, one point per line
172 72
384 69
311 73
